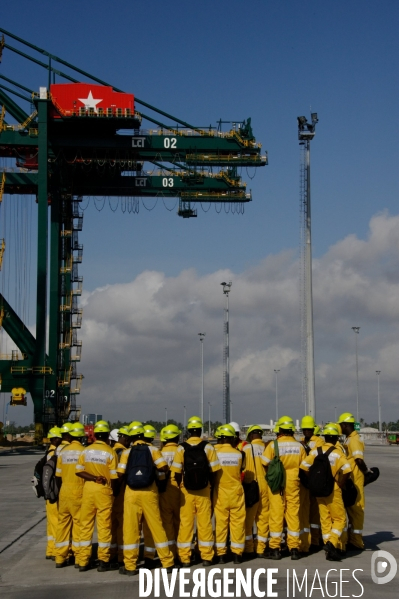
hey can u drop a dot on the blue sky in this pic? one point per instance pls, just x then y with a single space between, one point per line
271 61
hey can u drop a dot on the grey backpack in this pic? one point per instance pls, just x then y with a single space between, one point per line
51 485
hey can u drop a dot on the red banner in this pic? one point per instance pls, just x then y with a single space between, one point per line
70 98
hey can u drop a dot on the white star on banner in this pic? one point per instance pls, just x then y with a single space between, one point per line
90 102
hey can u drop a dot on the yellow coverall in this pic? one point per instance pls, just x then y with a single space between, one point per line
70 501
309 517
169 501
195 504
258 513
332 509
117 514
141 503
285 505
98 459
228 501
52 517
355 449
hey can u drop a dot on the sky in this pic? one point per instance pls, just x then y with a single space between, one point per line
152 280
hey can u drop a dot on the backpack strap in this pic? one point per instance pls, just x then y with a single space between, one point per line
253 456
276 451
320 451
329 450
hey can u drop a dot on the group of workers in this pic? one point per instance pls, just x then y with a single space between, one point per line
194 498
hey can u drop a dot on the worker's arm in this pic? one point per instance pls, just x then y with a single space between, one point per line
178 478
163 468
362 465
343 480
100 480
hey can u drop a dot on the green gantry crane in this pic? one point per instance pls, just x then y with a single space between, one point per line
65 151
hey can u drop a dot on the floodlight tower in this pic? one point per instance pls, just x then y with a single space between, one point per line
226 356
306 132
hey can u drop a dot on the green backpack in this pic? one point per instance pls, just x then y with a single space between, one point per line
275 475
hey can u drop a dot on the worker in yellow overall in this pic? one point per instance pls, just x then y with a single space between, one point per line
228 498
55 438
116 557
169 491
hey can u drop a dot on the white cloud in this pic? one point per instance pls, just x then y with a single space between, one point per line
141 351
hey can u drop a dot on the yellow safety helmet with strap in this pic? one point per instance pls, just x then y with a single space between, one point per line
66 427
136 429
54 432
149 431
77 430
135 423
307 422
346 417
170 431
194 422
285 422
226 430
255 428
124 430
102 426
330 429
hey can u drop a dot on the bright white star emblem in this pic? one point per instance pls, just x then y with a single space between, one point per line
90 102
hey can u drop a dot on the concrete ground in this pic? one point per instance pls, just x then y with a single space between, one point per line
24 573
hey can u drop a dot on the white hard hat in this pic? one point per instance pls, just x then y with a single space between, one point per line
236 426
113 436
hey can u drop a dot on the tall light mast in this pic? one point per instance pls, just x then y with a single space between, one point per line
306 132
226 356
201 336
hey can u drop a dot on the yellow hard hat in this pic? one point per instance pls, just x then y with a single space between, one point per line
317 430
136 429
338 427
149 431
346 417
66 427
194 422
54 432
308 422
276 428
216 434
255 428
101 426
285 422
135 423
170 431
124 430
226 430
162 436
77 430
330 429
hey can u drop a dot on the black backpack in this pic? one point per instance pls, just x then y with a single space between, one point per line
37 479
140 472
196 466
321 480
51 485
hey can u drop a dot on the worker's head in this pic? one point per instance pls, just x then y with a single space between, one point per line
54 435
227 434
136 432
347 422
330 433
255 431
286 426
101 431
65 430
171 433
149 433
308 425
113 437
194 426
124 436
77 431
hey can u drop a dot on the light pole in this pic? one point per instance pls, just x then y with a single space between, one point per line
201 336
335 413
166 416
378 372
226 355
184 417
306 132
356 331
276 372
209 419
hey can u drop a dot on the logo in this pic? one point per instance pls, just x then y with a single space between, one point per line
139 473
379 564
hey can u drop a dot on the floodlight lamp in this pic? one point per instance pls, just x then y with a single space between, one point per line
302 120
224 283
314 117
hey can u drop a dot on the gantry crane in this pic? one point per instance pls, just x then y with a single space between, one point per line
87 139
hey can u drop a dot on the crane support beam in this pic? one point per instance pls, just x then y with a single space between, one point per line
16 329
12 108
